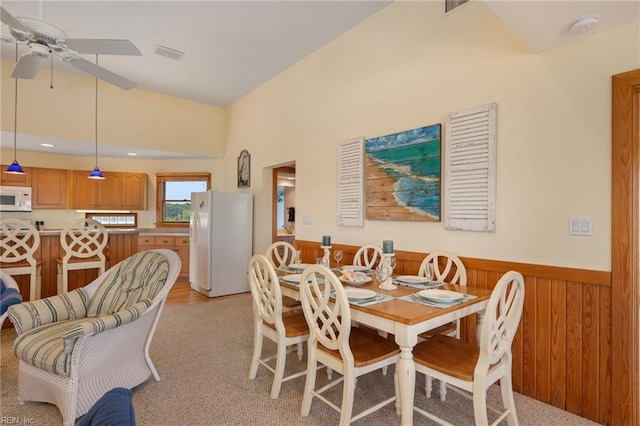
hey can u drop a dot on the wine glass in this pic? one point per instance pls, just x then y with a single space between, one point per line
298 257
392 263
428 273
338 255
382 274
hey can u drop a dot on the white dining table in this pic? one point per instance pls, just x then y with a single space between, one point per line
406 320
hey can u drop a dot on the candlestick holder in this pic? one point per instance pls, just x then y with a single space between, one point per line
386 264
327 255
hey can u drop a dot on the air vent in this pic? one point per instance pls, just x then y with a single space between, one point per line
451 5
169 53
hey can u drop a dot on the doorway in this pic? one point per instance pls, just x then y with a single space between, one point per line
625 249
283 204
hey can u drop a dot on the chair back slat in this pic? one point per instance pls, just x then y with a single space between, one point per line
326 309
281 253
447 267
501 320
18 241
265 290
368 255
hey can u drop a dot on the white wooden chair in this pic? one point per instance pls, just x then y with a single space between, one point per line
368 255
448 267
333 342
83 242
281 254
19 241
9 282
74 347
285 329
472 369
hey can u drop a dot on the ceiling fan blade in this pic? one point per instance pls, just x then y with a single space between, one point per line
28 66
101 73
103 46
8 19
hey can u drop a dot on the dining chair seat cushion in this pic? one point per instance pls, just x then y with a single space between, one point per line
113 408
139 277
8 296
367 348
294 324
80 259
452 356
449 328
67 306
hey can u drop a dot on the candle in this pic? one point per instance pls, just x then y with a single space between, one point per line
387 246
326 240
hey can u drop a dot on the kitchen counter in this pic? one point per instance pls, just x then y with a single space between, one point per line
151 232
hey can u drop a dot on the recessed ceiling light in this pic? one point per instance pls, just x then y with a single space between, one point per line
584 24
48 145
132 154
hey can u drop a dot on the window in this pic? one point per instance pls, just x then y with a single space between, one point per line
173 196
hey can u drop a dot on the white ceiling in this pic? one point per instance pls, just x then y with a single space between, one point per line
232 47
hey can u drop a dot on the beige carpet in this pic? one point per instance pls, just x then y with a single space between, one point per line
202 354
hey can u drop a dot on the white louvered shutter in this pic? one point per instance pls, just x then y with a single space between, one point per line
470 175
351 182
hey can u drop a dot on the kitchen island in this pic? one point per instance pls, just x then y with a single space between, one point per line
123 242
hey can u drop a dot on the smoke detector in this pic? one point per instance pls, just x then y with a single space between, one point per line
584 24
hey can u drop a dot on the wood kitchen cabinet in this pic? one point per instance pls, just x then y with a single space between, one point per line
179 244
49 188
10 179
118 190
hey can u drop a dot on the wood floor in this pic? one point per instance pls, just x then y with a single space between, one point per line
182 294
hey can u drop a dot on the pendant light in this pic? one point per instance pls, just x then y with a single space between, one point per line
15 168
96 173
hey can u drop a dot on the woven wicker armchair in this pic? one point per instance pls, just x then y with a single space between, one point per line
74 347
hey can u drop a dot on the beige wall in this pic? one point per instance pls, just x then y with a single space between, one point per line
406 67
132 118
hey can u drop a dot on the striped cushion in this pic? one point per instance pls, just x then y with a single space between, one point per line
49 347
104 323
68 306
139 277
43 347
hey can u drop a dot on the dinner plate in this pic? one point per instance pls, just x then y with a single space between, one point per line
359 293
441 296
412 279
293 278
299 266
366 280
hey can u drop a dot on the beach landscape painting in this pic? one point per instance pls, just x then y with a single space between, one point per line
402 175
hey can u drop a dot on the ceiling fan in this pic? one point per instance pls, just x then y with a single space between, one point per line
43 38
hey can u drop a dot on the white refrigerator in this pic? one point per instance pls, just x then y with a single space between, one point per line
221 242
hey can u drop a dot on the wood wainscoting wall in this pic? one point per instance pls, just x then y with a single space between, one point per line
562 350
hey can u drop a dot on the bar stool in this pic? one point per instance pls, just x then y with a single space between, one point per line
19 240
83 242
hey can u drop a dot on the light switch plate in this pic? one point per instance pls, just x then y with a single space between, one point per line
581 225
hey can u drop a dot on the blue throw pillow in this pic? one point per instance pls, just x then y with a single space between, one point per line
114 408
2 285
9 296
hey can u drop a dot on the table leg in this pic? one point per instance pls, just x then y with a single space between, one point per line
406 383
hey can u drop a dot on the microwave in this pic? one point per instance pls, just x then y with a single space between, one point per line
15 199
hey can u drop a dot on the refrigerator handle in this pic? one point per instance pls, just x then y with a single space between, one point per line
193 229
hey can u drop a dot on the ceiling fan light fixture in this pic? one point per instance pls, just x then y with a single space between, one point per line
96 173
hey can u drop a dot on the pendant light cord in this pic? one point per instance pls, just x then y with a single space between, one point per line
15 116
96 115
